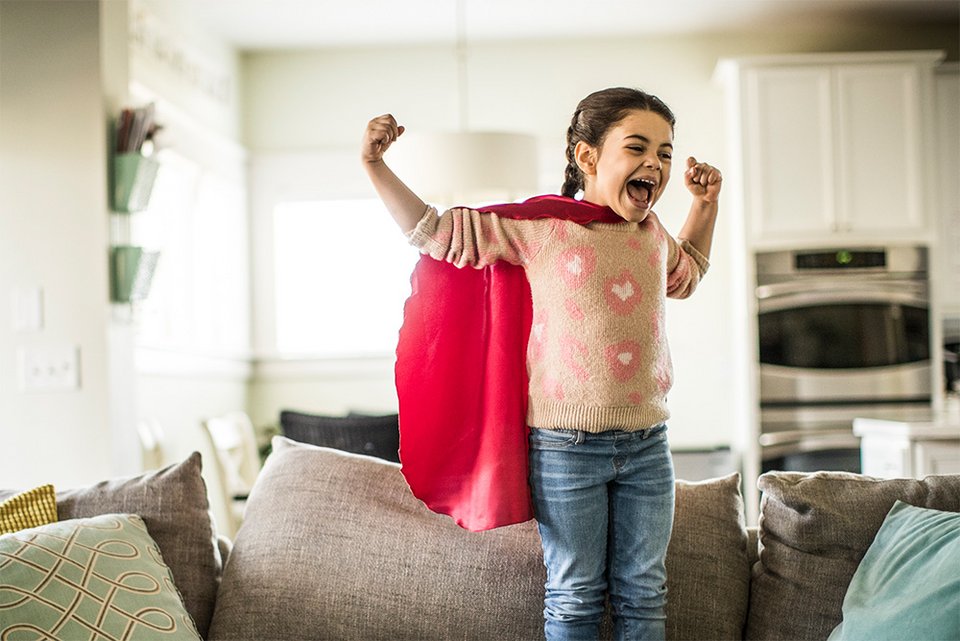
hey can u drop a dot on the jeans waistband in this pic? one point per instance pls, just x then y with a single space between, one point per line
580 436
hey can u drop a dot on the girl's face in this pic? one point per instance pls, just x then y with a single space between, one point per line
629 172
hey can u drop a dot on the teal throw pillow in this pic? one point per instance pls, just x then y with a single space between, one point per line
101 577
907 586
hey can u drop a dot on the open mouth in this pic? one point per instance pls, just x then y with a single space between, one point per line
641 191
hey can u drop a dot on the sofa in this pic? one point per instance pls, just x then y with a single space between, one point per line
334 546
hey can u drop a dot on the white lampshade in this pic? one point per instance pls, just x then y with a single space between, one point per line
469 167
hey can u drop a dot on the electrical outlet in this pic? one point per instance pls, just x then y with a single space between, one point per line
49 369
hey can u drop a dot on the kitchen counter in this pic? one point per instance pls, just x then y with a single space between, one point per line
945 428
904 449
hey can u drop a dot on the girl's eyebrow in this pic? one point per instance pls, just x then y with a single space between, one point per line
646 140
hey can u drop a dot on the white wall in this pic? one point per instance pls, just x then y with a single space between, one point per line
66 69
53 234
192 339
317 103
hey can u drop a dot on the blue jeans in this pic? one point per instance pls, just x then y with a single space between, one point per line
604 504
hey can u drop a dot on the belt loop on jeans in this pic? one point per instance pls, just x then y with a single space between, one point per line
645 434
579 437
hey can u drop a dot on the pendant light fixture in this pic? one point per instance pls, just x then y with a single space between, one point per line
467 167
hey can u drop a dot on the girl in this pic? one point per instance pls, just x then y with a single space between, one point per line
599 269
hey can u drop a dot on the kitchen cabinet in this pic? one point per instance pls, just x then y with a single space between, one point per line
895 449
834 146
948 169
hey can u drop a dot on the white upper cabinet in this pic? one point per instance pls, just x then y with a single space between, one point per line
832 147
948 165
879 150
789 170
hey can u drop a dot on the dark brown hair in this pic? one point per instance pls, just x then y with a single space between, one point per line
595 116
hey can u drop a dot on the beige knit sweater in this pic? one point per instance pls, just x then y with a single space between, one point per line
597 356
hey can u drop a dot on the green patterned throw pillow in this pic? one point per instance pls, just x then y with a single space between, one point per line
101 577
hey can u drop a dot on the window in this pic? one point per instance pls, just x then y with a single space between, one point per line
199 300
342 270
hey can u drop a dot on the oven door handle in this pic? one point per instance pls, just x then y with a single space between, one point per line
807 440
827 284
777 300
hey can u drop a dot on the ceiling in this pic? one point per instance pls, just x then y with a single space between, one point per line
293 24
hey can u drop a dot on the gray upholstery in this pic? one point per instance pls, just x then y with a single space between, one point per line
814 529
708 567
334 546
173 504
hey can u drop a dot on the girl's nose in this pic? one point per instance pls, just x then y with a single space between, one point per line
652 161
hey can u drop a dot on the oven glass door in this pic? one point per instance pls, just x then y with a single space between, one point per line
844 335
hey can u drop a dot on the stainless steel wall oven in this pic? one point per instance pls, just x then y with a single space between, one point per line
842 333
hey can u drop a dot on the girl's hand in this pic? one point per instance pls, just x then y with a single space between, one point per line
703 180
381 132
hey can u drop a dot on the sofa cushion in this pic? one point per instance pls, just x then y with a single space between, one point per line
173 504
101 577
334 546
907 585
708 571
814 530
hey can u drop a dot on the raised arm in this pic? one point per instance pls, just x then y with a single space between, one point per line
405 206
704 182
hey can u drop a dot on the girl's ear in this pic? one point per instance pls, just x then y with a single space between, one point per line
586 156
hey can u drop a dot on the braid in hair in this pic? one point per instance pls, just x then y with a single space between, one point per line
595 116
572 176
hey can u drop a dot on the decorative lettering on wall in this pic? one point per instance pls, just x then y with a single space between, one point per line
149 38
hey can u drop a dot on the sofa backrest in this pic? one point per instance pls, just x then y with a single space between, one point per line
814 530
334 546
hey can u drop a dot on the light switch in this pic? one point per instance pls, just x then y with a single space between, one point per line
27 309
49 368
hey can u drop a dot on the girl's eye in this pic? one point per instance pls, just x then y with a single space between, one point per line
639 150
666 156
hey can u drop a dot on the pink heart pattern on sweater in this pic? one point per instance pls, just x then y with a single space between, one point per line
664 374
623 358
622 293
538 334
574 355
552 388
573 310
656 258
576 265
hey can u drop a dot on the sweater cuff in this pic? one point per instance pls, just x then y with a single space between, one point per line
421 235
702 262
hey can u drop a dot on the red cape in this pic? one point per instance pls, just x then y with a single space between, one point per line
461 378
